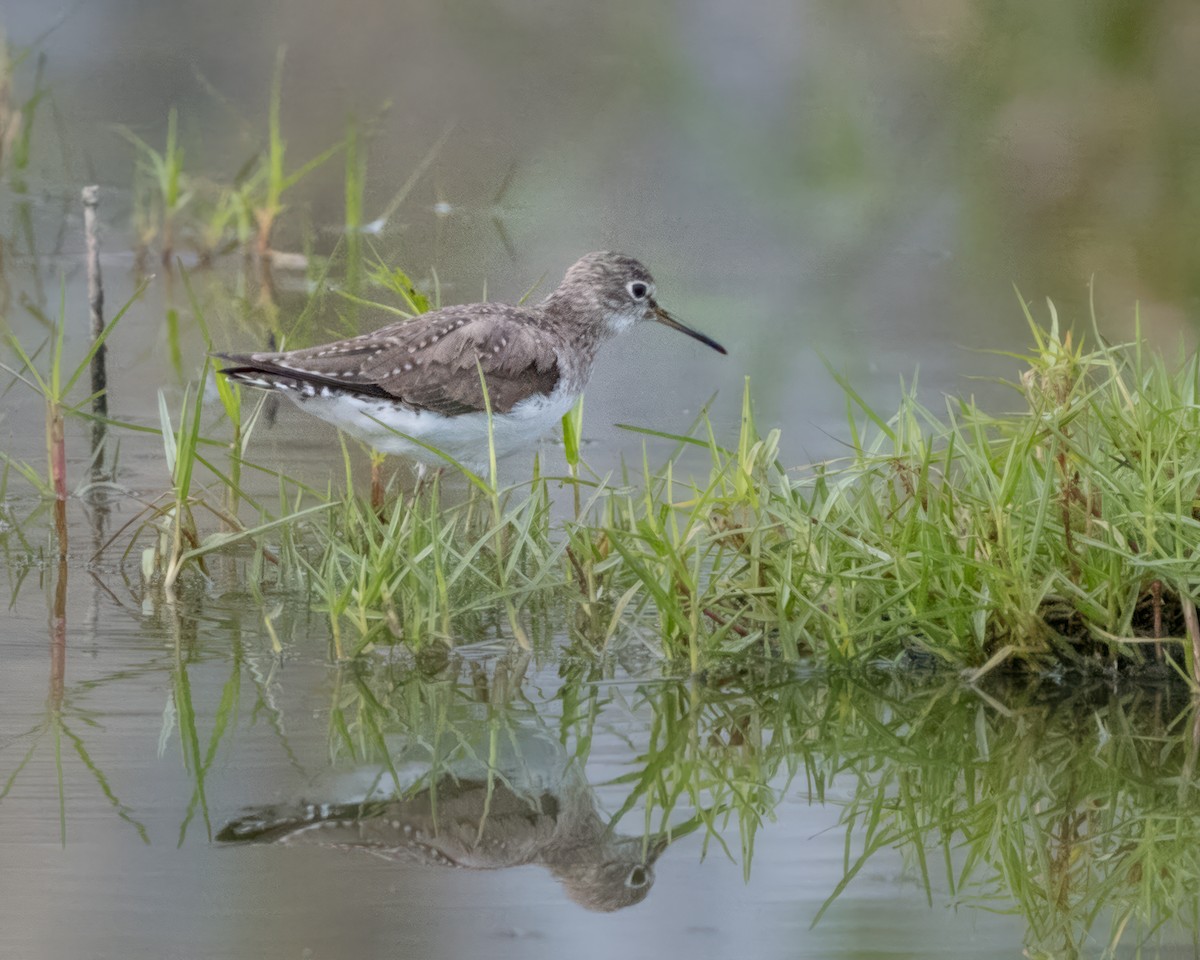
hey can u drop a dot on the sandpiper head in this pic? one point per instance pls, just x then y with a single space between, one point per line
620 290
617 872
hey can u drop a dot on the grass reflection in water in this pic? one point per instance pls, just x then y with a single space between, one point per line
1073 808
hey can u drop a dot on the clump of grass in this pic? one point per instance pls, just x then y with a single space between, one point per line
55 385
223 221
161 190
179 542
1063 535
173 207
419 569
688 550
269 183
401 296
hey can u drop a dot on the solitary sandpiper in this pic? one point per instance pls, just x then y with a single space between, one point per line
420 379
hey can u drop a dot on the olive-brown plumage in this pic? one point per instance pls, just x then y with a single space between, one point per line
424 378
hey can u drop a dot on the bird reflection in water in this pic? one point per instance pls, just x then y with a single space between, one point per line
532 806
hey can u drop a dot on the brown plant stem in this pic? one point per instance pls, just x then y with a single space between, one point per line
1156 595
376 484
56 449
58 634
1193 632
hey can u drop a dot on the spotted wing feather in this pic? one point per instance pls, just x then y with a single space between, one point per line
481 824
428 363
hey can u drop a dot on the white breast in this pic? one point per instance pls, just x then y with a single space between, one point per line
388 427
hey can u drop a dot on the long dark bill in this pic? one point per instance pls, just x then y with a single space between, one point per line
667 320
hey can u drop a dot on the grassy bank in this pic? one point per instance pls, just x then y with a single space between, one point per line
1061 535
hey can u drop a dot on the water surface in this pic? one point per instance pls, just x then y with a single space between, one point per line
810 183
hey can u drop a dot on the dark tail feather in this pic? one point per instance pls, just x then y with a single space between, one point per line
341 823
262 373
269 824
245 369
261 826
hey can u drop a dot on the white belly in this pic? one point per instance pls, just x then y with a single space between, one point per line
464 438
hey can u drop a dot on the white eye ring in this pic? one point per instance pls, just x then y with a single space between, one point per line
638 290
637 878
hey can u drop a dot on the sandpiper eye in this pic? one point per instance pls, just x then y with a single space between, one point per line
638 290
636 878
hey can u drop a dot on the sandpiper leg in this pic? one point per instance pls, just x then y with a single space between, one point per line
426 476
376 481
